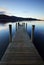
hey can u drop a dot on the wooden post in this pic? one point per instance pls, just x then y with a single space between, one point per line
26 26
32 33
16 26
10 33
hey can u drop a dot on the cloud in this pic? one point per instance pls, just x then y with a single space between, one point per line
2 12
2 9
5 11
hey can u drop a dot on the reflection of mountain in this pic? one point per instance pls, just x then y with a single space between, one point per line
5 19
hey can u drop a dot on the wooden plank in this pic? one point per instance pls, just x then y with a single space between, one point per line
21 51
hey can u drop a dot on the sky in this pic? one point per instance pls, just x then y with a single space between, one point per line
23 8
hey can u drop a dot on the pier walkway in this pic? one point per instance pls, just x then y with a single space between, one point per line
21 50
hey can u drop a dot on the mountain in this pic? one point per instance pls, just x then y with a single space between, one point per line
6 19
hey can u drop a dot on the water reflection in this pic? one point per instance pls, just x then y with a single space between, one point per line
38 37
4 37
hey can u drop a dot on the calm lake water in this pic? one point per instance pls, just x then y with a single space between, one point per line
38 36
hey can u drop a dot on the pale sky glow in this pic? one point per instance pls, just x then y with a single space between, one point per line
3 28
6 27
23 8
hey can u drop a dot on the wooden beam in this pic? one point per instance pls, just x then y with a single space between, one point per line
26 26
32 33
10 32
16 26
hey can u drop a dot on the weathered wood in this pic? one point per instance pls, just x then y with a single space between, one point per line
32 33
10 33
21 51
26 26
16 26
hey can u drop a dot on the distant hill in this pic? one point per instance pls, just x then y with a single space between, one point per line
6 19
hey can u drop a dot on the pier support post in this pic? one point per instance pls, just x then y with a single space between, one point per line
16 26
32 33
10 33
26 26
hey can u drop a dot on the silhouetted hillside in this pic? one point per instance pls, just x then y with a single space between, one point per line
6 19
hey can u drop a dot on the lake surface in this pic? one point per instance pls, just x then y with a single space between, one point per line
38 35
4 37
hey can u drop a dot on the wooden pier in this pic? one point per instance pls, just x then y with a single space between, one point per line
21 50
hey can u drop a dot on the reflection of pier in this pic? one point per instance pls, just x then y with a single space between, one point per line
21 50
